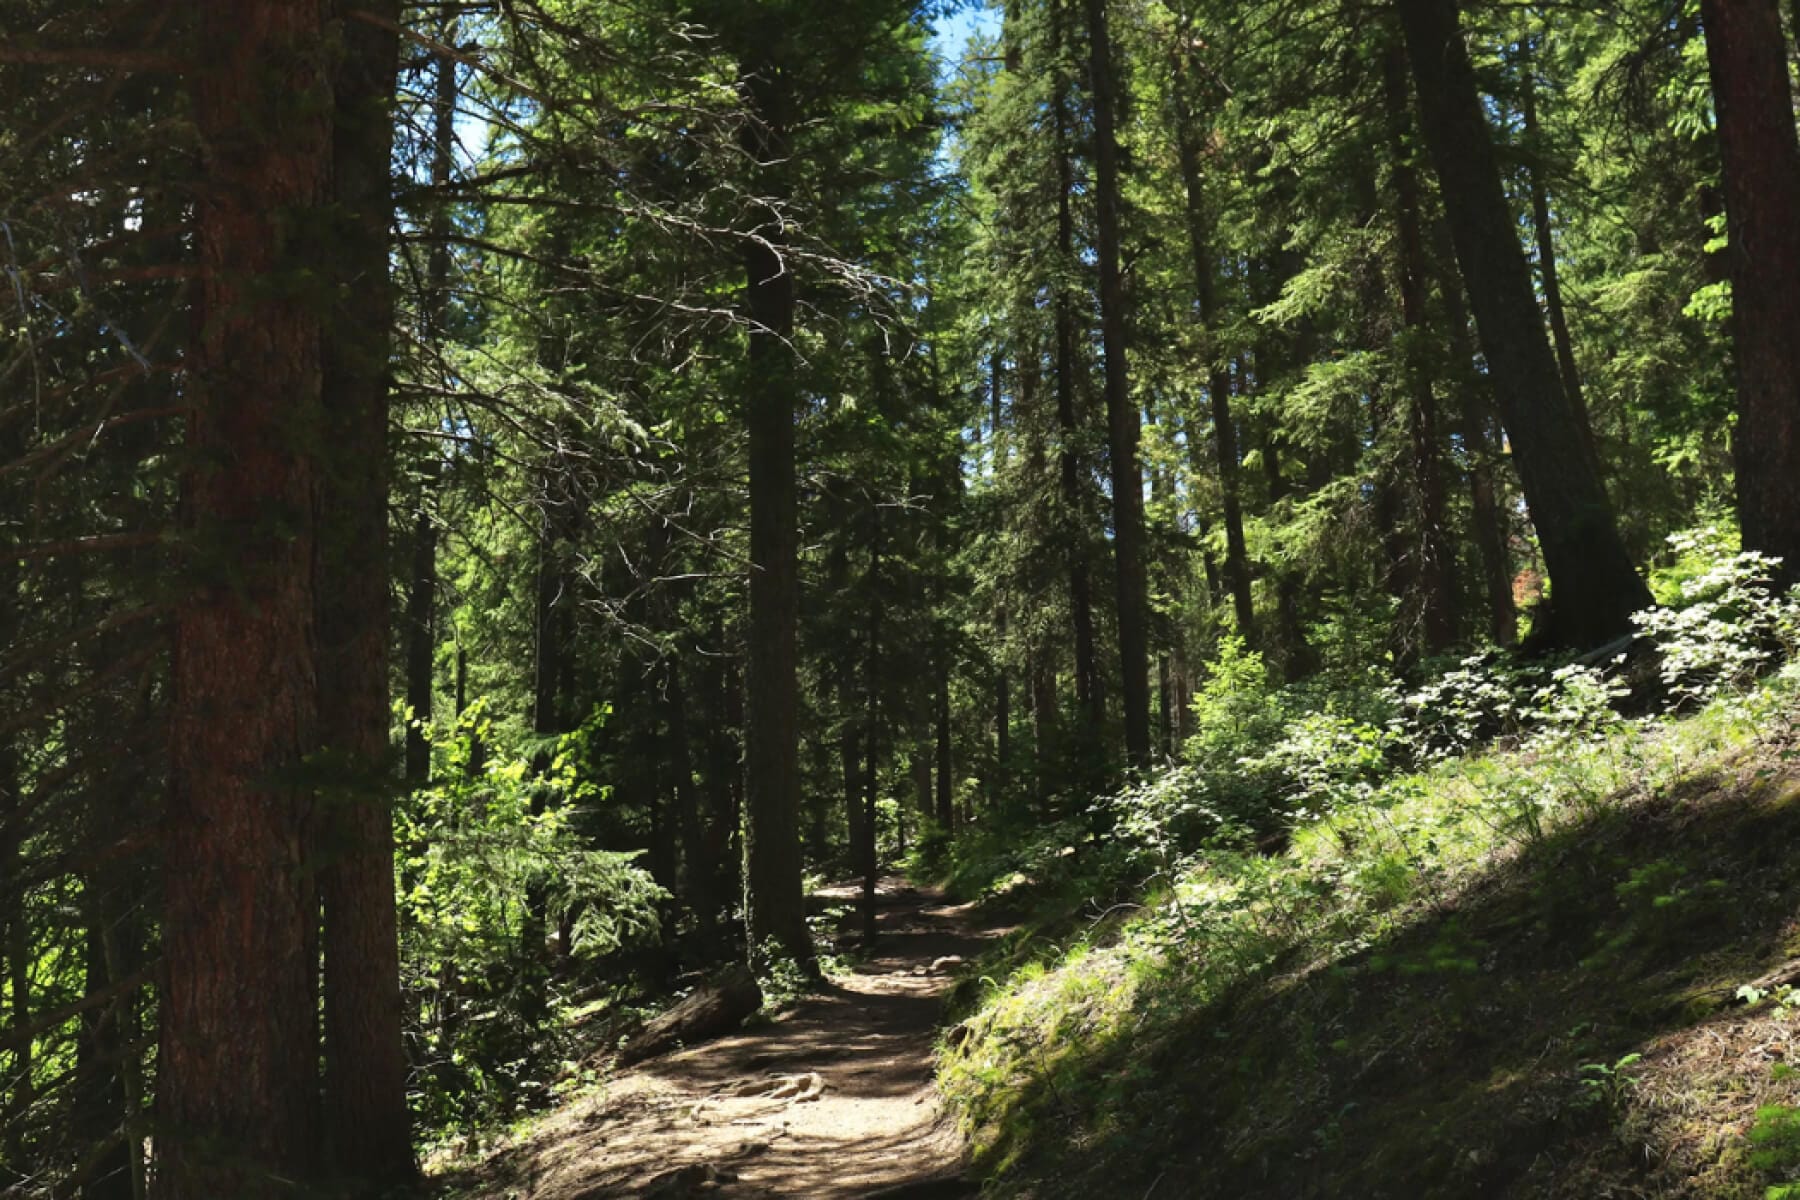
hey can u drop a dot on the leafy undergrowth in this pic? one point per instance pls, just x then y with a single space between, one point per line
1511 973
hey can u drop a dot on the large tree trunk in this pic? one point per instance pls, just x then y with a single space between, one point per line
237 1066
1761 161
774 896
1596 587
1121 411
1218 380
367 1124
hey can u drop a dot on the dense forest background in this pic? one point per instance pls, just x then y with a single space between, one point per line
498 499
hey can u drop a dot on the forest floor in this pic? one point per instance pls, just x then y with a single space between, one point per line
830 1100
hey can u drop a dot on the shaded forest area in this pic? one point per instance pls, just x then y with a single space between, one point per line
501 500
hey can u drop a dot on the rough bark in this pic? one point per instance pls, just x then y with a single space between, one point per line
1748 62
1122 420
774 899
367 1124
1596 586
238 1055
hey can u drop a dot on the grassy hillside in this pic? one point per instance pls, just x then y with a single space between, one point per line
1512 972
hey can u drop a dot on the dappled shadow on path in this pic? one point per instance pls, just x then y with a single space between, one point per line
833 1100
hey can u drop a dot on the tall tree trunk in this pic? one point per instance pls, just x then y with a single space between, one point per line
1476 419
1436 556
1218 379
421 593
724 771
367 1123
774 899
549 650
1002 708
1091 715
1545 236
15 984
1596 586
101 1106
920 764
1121 412
1761 161
696 869
946 788
850 763
866 847
421 644
237 1065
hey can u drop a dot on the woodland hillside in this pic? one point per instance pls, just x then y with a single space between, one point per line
532 529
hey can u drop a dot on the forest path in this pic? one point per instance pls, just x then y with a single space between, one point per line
833 1100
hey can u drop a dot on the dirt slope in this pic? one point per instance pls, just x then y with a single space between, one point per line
833 1100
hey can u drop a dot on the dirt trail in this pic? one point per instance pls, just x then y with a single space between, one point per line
834 1100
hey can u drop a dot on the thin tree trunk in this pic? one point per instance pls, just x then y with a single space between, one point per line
1091 715
1596 586
1002 708
15 1000
1544 235
237 1065
1218 380
920 763
1475 413
724 773
1122 421
421 594
101 1108
774 899
866 847
546 722
1436 557
696 870
946 789
421 645
1761 160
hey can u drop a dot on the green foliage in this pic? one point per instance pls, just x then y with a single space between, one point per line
1775 1138
479 850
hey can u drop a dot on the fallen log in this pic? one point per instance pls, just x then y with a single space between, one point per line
714 1008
